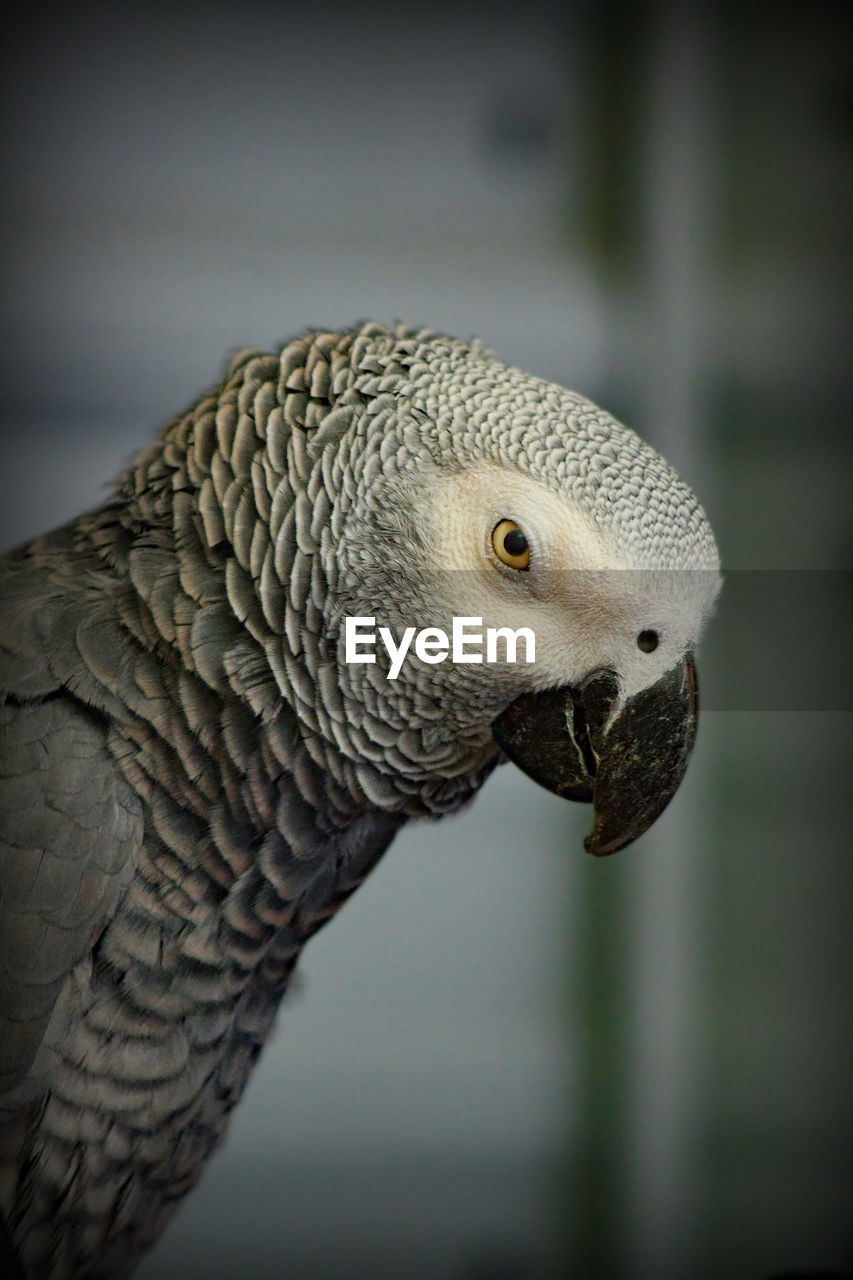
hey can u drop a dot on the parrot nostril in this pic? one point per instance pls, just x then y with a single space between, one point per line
648 641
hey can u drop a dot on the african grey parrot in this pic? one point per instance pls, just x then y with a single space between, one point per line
193 778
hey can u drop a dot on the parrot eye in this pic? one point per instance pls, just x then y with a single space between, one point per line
510 544
648 641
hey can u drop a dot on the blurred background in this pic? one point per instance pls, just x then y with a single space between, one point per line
505 1061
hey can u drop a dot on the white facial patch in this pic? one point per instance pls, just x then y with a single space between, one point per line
587 599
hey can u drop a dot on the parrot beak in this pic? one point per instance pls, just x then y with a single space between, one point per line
627 762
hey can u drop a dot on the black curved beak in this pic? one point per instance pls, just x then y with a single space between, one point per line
628 764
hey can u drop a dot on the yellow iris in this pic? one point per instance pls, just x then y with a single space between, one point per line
510 544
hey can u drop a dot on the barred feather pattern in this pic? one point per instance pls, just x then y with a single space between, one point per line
183 625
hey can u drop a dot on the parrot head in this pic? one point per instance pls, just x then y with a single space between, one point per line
607 712
457 487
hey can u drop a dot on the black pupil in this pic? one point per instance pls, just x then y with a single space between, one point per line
515 543
647 641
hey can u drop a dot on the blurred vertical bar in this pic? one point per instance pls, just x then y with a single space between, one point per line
677 200
650 142
608 40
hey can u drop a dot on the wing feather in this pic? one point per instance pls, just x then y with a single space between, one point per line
70 824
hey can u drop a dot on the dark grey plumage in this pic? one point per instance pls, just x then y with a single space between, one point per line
170 837
191 784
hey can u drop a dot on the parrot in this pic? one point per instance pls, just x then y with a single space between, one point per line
194 779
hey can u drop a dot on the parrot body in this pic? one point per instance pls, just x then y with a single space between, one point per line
192 781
